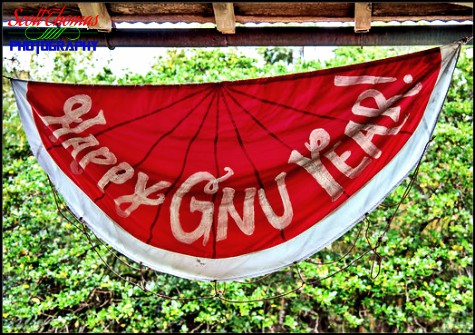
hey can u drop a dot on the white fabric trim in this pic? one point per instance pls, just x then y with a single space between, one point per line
257 263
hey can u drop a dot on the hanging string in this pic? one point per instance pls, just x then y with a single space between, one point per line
465 40
221 294
347 252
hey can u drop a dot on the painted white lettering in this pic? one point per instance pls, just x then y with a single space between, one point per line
100 156
140 196
207 210
319 139
354 130
227 208
80 143
382 103
358 80
340 162
206 207
118 174
413 91
278 222
73 115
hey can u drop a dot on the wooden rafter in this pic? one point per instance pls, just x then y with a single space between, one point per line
98 9
224 16
269 36
362 17
466 4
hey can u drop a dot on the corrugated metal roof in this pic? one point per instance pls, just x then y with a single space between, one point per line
232 19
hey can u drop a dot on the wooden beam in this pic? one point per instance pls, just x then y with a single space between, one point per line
429 35
362 17
99 10
224 16
466 4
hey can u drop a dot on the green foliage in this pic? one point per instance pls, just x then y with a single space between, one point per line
181 66
278 54
55 281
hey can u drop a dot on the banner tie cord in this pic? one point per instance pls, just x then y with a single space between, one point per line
221 292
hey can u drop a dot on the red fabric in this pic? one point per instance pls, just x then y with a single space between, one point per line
171 132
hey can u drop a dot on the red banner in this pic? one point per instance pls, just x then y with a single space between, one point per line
228 180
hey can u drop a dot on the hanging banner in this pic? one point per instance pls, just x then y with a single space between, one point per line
229 180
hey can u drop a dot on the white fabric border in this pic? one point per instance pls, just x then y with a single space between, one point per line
257 263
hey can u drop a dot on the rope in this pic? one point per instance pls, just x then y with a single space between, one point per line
465 40
221 294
